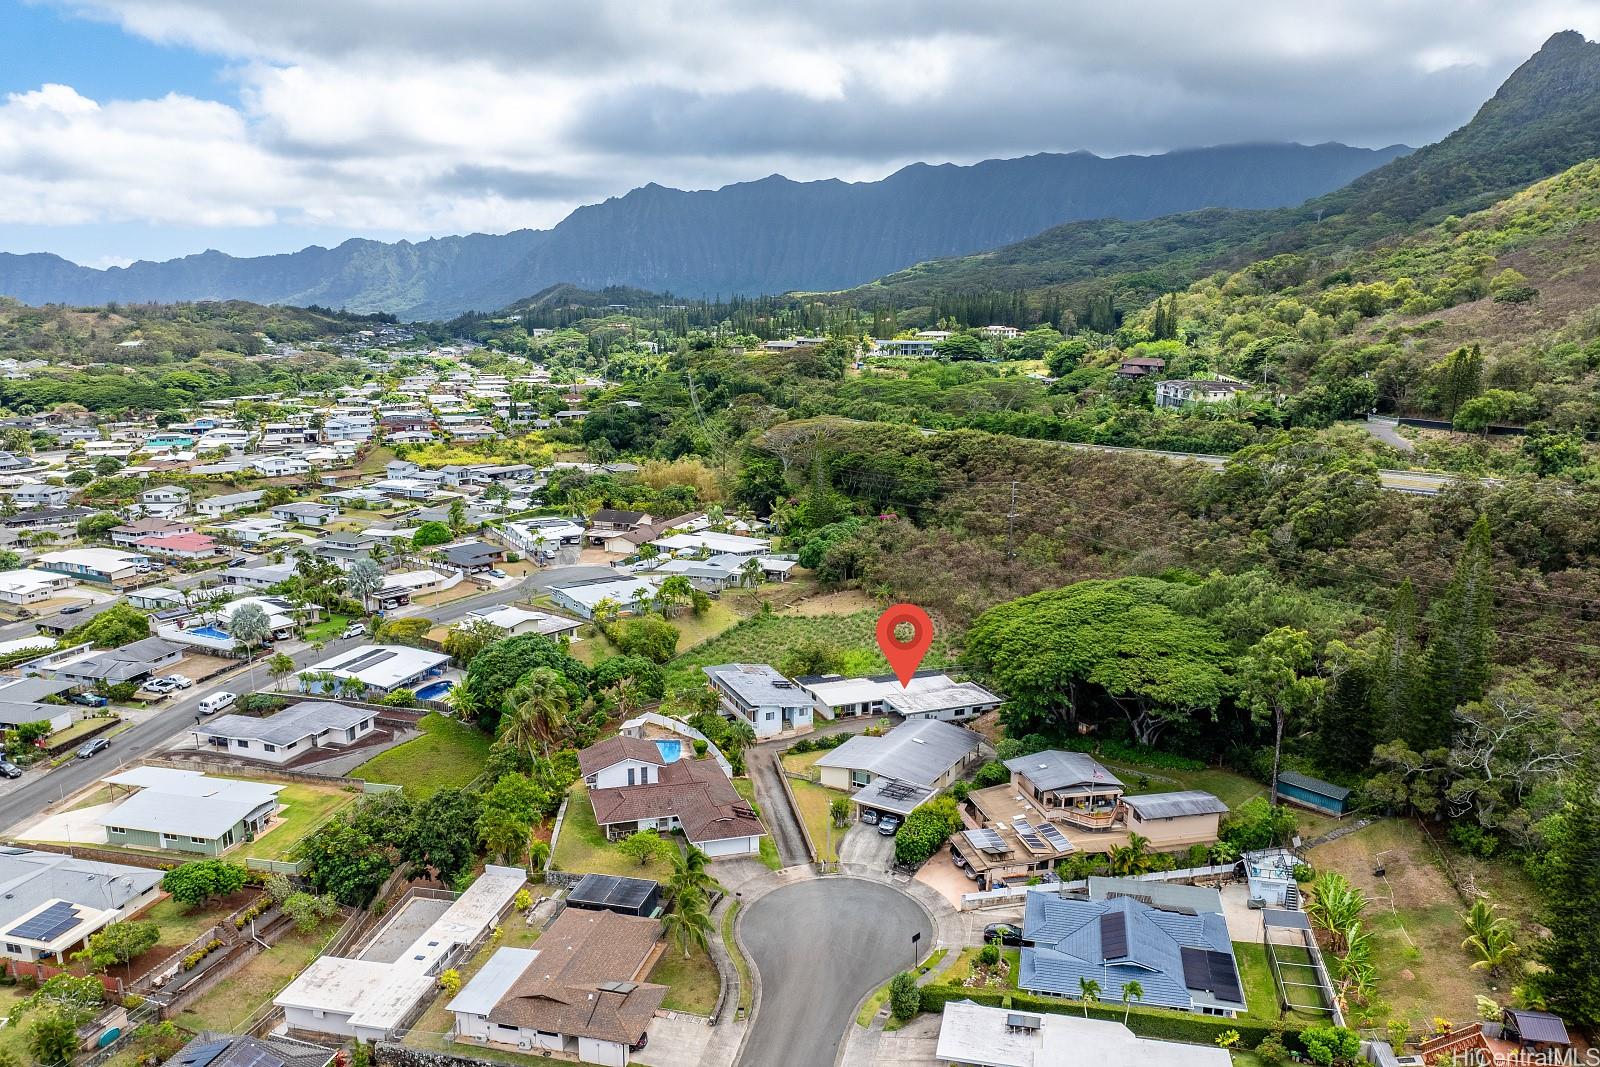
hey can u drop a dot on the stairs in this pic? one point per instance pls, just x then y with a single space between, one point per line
1291 898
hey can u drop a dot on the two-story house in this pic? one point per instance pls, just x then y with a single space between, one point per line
757 694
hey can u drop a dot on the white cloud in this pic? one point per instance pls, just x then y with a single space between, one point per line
425 117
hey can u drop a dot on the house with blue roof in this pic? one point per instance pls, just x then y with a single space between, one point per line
1180 955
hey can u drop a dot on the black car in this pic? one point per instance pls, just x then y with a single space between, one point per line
1009 936
9 769
89 748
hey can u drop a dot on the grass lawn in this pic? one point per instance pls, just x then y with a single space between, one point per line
77 730
769 848
449 754
180 924
328 629
803 762
813 800
583 847
747 993
1414 915
240 995
304 807
1261 992
692 984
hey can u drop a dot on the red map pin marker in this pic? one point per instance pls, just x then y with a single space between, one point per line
905 656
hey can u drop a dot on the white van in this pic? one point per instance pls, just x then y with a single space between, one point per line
216 702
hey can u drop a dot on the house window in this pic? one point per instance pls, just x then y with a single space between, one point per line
198 840
269 748
15 950
291 744
630 776
771 715
242 743
644 775
507 1029
116 830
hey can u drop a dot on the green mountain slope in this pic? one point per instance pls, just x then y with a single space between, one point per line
1544 118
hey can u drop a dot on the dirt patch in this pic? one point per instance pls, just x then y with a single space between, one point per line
844 602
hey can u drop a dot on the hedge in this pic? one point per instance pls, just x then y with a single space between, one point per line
1146 1022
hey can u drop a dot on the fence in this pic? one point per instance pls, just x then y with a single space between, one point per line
990 898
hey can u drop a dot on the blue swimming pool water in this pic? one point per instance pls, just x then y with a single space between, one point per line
434 691
210 631
670 750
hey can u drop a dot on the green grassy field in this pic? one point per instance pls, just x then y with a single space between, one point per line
766 638
747 993
693 983
813 801
328 629
304 807
583 846
448 755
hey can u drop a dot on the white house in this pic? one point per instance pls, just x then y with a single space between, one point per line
54 902
306 513
516 621
381 668
108 566
582 597
1180 391
638 784
40 495
931 694
281 466
31 586
975 1035
164 501
762 697
228 503
281 737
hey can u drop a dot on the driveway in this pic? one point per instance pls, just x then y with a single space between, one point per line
821 946
863 845
944 876
776 812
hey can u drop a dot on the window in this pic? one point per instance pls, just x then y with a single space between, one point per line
242 743
644 775
269 748
198 840
771 715
507 1029
15 950
116 830
290 745
630 775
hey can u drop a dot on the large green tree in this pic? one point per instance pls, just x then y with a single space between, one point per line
1570 980
1060 655
497 669
1275 685
1455 667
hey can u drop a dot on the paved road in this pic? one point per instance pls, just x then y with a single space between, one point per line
780 818
820 946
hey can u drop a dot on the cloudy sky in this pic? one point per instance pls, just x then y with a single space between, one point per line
154 128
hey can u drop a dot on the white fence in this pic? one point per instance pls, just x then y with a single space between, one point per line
991 898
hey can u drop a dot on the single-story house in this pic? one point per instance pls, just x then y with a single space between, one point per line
635 784
924 752
254 531
54 902
373 994
280 737
183 546
71 617
186 811
516 621
758 694
156 598
228 503
380 668
257 575
580 992
28 586
931 694
583 596
716 544
115 567
976 1035
306 513
1183 957
86 665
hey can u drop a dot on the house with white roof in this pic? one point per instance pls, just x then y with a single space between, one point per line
713 543
40 495
281 737
584 595
380 987
516 621
931 694
187 811
758 694
976 1035
115 567
30 586
380 668
228 503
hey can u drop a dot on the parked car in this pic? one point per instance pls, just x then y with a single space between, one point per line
216 702
1009 936
9 769
178 681
90 700
888 823
89 748
869 816
159 685
496 572
955 858
355 629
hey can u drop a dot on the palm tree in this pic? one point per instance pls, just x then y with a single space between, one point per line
740 736
1130 991
351 687
363 580
280 667
605 611
691 873
1490 936
535 711
306 680
689 922
250 627
750 573
1131 858
675 590
641 600
1089 993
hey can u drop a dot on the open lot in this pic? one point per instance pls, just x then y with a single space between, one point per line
449 754
693 982
1414 915
583 846
239 996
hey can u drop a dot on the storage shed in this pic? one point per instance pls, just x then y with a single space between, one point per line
1313 793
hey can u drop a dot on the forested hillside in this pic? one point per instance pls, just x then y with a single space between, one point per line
1544 119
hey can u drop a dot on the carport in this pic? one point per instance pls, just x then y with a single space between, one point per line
884 795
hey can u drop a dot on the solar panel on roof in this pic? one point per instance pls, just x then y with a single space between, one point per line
1224 977
899 791
49 924
1030 840
1054 837
1196 968
988 840
1023 1022
251 1055
1113 935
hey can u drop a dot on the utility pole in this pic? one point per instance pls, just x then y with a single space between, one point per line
1011 525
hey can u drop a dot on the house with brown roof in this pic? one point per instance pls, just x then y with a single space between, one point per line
639 784
579 993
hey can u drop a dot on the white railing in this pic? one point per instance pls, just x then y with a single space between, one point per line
1010 894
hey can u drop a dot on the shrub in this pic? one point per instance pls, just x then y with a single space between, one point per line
990 774
450 981
989 955
1328 1045
197 882
905 998
523 900
399 698
925 830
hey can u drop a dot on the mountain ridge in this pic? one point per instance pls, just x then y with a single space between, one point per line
767 235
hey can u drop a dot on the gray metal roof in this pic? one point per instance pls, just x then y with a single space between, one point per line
1166 896
1313 785
193 814
32 690
493 980
29 879
1176 805
306 719
758 685
122 664
919 751
1054 769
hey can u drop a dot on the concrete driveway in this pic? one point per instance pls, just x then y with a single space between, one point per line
863 845
820 946
943 875
79 827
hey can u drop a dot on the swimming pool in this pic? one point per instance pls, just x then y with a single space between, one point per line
210 631
670 750
434 691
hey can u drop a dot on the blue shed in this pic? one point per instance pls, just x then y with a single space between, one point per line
1313 793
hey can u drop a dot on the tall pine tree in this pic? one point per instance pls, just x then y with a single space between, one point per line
1456 664
1394 683
1571 954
